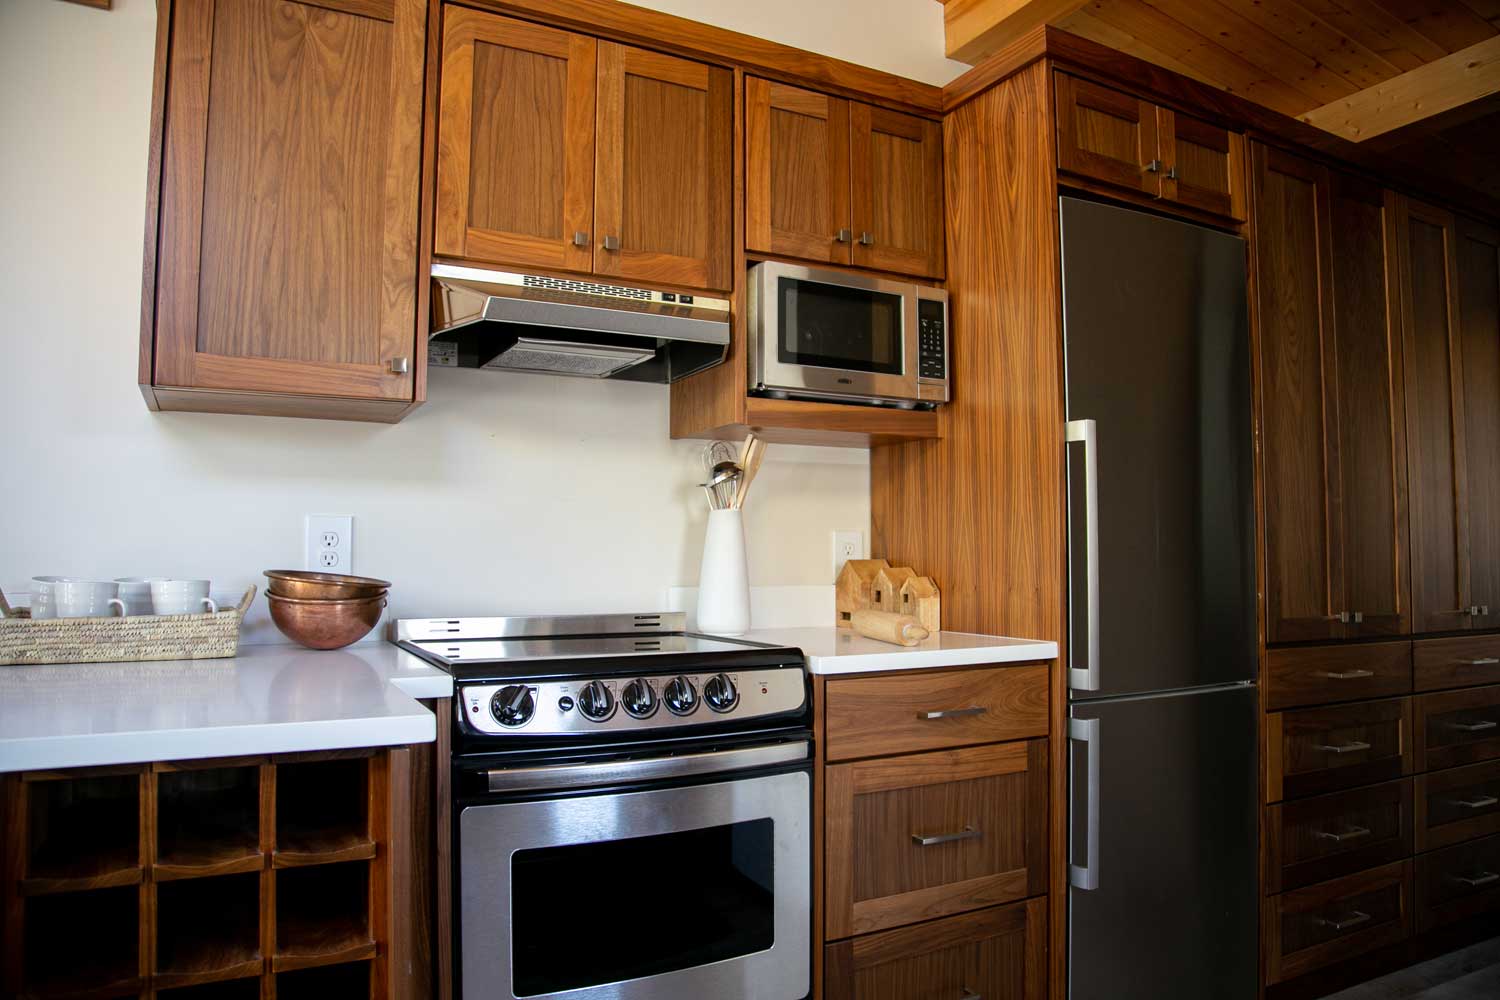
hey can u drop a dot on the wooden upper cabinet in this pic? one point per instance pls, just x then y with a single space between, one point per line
1203 164
516 133
663 189
896 163
796 172
286 251
1331 409
1479 343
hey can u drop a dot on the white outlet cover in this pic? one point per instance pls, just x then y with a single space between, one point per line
329 543
847 545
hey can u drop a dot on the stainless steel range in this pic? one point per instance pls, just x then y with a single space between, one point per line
633 809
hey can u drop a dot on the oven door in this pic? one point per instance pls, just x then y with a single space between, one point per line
691 890
830 333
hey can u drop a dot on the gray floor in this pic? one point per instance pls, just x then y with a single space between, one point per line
1470 974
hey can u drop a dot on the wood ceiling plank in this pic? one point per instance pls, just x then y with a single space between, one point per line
1378 30
974 29
1316 38
1088 26
1468 75
1447 22
1487 9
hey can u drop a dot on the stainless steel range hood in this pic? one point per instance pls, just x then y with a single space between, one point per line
536 323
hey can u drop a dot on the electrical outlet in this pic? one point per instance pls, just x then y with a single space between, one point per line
847 545
330 543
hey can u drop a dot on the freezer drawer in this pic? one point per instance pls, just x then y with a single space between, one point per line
1163 826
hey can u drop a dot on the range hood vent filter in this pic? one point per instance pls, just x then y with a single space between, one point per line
562 358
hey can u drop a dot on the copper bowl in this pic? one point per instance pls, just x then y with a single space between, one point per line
323 586
325 624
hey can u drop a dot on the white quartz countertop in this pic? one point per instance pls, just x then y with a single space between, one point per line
268 699
832 650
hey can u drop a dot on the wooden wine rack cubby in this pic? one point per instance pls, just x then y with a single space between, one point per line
269 878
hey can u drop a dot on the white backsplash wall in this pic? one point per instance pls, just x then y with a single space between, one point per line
505 493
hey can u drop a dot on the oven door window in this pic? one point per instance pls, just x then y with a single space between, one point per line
831 326
590 914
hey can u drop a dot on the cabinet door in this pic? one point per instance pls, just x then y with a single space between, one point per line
1298 404
796 172
1479 325
1310 840
1333 921
1107 136
663 171
515 143
287 260
996 954
1435 419
1203 164
896 162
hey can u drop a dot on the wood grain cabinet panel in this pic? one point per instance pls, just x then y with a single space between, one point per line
923 710
1106 135
1457 727
516 134
1311 840
1460 661
797 172
1458 882
1479 344
663 166
896 168
1203 165
1458 804
1330 922
925 836
1317 750
286 254
1311 675
997 954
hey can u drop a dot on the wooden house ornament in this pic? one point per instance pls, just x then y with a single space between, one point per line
919 598
855 588
888 588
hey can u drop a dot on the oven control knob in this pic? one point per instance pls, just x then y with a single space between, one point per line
513 705
720 693
680 695
595 702
639 700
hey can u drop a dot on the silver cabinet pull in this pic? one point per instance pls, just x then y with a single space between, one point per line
1353 746
1153 167
1086 432
1172 174
843 235
1352 920
1477 880
580 239
969 994
1346 675
967 833
400 366
1347 617
1473 727
1477 802
1353 833
953 713
611 242
1086 731
866 239
1481 661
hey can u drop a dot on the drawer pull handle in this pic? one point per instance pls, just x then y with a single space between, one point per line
1477 802
1473 727
953 713
1352 920
1475 881
1481 661
1353 833
1353 746
1347 675
968 833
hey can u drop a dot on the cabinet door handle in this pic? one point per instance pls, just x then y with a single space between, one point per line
953 713
1086 678
1353 746
969 994
1481 661
1477 802
843 236
866 239
1153 167
1352 920
1353 833
1475 881
400 366
1346 675
1172 174
580 239
611 242
1473 727
967 833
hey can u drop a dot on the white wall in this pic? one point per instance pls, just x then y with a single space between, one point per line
505 493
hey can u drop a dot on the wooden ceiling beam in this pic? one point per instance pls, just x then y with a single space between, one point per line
974 29
1470 74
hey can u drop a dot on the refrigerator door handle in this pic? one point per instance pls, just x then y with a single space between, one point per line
1087 432
1086 731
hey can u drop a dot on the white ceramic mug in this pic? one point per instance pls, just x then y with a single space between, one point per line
135 591
86 598
43 604
181 597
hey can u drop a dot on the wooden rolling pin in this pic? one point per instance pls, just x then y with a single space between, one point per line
899 630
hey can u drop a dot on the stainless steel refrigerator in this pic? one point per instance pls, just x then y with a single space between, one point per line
1161 579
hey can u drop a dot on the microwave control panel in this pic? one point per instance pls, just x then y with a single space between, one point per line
932 339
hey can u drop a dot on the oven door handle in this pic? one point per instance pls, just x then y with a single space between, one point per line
518 779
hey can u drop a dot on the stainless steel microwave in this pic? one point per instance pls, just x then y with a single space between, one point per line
831 335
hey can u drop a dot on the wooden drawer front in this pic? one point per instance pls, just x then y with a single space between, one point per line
899 713
912 838
1458 727
1333 921
1317 750
1458 804
1462 662
1317 674
997 954
1458 882
1316 839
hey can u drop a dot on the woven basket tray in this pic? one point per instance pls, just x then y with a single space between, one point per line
105 640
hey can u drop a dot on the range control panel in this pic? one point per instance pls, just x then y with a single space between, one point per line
615 704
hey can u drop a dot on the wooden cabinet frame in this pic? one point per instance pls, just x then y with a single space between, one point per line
764 99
